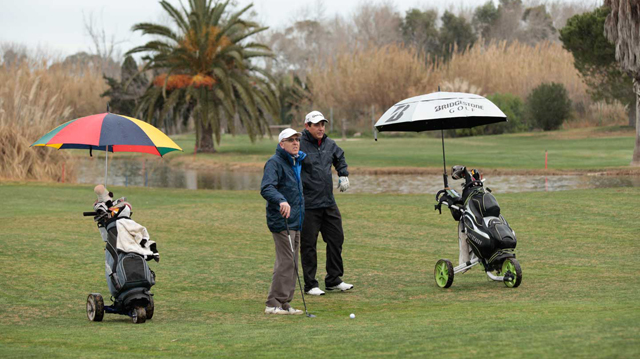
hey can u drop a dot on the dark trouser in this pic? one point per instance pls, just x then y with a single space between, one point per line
328 222
283 283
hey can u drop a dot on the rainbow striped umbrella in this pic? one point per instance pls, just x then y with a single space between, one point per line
109 132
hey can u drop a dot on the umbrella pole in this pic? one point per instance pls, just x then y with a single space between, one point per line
444 163
106 156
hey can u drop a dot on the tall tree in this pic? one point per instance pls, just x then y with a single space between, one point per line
595 59
622 27
455 32
538 24
377 24
485 18
295 97
204 68
123 101
419 29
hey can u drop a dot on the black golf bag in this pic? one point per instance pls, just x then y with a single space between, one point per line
128 275
488 232
129 278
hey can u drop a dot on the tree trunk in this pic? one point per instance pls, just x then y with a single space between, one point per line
344 129
635 162
632 114
206 139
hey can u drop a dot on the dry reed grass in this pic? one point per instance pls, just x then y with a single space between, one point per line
516 68
34 98
19 161
381 76
353 80
601 114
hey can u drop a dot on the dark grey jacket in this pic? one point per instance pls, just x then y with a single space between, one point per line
316 170
281 183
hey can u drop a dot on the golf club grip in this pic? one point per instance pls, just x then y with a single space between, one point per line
87 214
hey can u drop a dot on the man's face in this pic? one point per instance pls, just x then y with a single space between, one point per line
315 129
291 144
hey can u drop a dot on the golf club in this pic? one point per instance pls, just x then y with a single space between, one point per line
286 221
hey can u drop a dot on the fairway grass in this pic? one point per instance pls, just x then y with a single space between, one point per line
590 149
579 296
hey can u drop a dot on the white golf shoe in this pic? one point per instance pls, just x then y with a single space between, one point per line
293 311
341 287
315 291
275 310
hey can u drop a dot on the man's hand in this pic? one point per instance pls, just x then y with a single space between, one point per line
285 209
343 183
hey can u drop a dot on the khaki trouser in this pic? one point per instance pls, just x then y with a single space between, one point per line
283 283
465 251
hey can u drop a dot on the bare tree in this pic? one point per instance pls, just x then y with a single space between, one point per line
377 24
622 27
561 11
507 26
105 47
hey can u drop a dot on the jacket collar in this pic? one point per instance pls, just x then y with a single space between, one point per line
307 136
286 156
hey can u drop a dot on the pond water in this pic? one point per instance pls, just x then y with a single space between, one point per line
157 173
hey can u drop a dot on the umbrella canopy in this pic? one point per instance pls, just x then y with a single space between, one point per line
108 131
440 111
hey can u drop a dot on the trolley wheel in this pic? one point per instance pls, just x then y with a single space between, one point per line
95 307
511 268
149 308
138 315
443 273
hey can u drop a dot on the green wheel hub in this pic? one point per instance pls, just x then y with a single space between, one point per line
508 267
442 274
512 267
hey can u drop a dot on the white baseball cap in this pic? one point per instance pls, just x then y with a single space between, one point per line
314 117
286 133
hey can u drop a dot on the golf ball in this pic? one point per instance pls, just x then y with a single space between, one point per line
352 315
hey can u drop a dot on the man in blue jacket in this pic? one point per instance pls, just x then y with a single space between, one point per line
322 213
282 188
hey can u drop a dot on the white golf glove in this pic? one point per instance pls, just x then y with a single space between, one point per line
343 183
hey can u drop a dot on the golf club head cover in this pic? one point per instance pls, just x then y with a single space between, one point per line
457 172
103 195
154 249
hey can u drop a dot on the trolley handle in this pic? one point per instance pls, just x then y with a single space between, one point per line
87 214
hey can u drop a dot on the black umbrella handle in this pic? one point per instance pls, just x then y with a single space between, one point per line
444 162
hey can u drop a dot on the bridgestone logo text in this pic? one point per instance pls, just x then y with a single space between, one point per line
458 106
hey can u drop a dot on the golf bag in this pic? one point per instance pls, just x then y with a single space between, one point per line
128 276
487 232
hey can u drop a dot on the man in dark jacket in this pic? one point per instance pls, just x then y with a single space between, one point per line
321 211
282 188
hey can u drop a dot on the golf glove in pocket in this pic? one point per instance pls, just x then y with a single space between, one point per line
343 183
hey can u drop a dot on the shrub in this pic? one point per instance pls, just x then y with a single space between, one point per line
512 106
548 105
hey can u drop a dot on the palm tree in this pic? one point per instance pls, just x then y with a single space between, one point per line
621 28
294 96
204 68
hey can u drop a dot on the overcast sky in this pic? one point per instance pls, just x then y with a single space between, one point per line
56 26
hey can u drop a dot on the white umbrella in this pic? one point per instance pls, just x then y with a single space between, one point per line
440 111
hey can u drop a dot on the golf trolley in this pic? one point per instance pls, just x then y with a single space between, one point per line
491 240
128 276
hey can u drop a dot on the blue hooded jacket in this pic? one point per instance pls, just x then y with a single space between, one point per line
281 183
